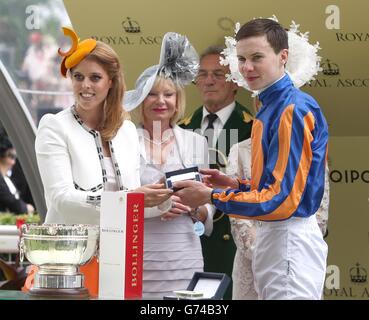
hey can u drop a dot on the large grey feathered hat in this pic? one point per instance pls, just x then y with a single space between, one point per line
179 61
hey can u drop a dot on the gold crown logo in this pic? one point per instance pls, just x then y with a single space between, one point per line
358 274
330 68
131 26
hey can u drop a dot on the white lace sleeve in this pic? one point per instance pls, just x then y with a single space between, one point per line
232 166
322 213
239 163
243 230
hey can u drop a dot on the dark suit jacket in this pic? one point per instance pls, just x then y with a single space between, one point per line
219 248
240 119
8 202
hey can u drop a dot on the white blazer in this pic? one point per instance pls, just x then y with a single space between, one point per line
70 168
193 150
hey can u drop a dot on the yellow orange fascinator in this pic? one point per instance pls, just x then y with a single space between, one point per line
76 53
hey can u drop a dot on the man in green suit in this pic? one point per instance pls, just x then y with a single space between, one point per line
224 122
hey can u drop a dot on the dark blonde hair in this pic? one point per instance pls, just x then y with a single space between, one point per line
180 98
114 115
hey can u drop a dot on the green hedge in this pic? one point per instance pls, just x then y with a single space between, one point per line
11 218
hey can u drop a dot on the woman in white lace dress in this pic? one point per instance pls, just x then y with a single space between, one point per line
244 230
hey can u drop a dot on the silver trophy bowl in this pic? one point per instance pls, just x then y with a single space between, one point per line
58 250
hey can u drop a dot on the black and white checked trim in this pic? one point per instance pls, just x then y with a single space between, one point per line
94 200
99 148
94 189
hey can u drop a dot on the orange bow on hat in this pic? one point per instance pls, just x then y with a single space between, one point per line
76 53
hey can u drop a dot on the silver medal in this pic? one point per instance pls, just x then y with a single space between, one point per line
198 228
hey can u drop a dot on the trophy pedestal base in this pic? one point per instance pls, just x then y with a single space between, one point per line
61 293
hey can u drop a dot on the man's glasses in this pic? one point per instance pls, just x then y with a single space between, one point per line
216 75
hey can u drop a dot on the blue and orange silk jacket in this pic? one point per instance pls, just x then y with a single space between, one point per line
289 150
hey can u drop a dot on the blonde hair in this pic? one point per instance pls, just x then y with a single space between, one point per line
114 114
180 99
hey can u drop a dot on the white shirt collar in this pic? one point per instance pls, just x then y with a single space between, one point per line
223 114
261 90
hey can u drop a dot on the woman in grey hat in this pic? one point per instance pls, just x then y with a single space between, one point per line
172 248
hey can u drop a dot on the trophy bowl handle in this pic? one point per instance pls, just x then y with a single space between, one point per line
21 249
97 252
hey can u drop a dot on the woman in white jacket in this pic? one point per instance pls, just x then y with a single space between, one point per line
91 146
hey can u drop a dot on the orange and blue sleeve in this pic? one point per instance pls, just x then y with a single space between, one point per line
289 157
244 184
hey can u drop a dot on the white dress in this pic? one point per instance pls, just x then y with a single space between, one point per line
172 251
244 231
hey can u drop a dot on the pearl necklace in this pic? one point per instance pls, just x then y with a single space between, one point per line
160 142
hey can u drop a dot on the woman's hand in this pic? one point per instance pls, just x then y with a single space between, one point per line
30 208
177 209
154 194
214 178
